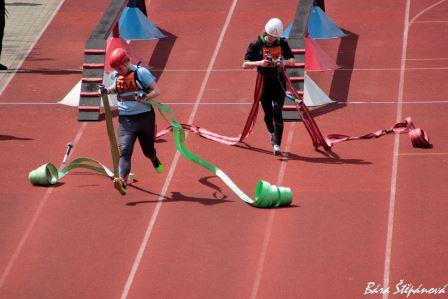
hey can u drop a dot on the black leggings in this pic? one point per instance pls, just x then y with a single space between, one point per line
272 101
131 127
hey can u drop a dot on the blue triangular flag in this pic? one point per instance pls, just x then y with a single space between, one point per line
321 26
133 25
286 32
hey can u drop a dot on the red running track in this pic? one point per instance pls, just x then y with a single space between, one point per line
376 213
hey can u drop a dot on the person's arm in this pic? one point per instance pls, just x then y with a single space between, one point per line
247 64
285 62
106 90
155 91
288 57
290 61
252 58
149 82
111 89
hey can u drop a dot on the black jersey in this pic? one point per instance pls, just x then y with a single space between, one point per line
261 49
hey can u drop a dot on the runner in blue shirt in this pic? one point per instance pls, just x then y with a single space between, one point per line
136 120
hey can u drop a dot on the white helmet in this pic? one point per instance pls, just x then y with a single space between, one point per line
274 27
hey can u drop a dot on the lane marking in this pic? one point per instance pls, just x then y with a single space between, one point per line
425 59
153 218
393 183
397 69
423 154
36 215
424 11
28 103
430 22
393 188
343 69
199 70
352 102
394 171
395 102
270 223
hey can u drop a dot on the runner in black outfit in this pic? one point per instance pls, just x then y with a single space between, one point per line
268 53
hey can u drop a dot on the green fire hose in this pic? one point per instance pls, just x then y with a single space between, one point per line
266 195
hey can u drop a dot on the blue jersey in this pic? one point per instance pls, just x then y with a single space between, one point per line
145 79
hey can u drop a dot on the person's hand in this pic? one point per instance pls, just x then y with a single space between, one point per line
103 90
264 63
280 62
141 97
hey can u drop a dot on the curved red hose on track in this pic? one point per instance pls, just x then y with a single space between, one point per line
250 122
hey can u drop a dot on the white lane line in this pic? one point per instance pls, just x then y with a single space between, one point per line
152 220
28 103
338 70
424 11
425 59
200 70
393 189
424 154
8 80
270 223
36 215
396 69
351 102
434 22
394 102
394 172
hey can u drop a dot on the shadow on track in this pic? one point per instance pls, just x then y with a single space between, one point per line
340 83
10 137
330 157
218 196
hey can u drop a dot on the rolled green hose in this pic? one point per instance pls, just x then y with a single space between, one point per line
47 174
266 195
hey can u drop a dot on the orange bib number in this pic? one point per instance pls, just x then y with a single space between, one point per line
275 52
126 83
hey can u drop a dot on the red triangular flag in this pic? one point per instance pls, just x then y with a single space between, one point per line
316 59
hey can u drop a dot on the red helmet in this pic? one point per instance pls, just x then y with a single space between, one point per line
118 57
